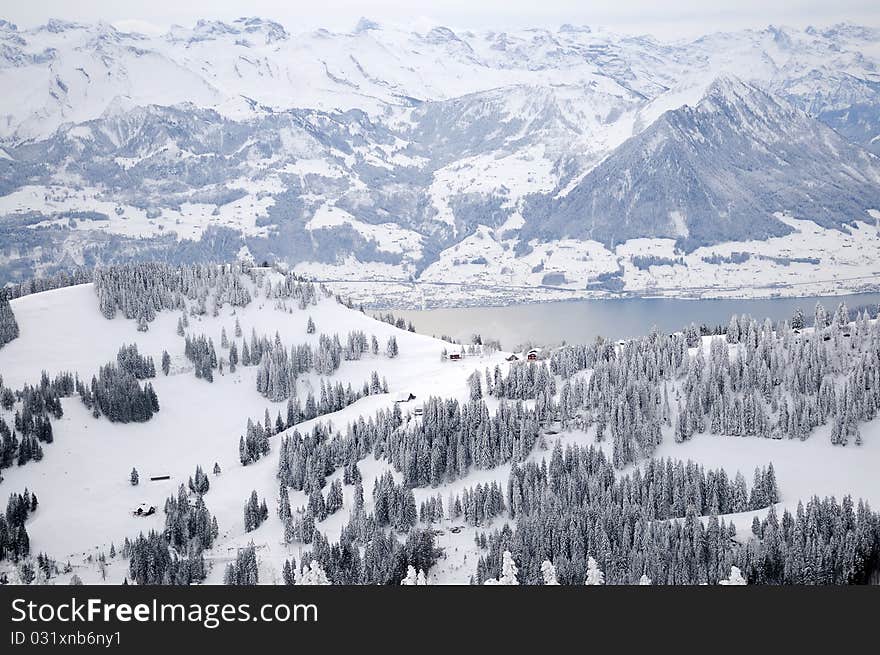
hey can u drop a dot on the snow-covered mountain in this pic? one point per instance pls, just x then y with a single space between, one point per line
70 72
473 157
715 172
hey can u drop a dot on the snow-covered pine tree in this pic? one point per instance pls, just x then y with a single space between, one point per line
508 571
313 575
595 576
735 579
548 572
410 579
8 324
244 570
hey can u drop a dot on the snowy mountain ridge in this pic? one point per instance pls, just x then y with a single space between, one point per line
404 156
74 70
738 152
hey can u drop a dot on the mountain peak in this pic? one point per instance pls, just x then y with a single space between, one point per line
270 29
847 30
741 153
119 106
727 90
780 35
727 85
210 30
204 30
440 34
753 99
568 27
365 25
58 26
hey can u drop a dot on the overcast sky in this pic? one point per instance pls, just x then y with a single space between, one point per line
670 18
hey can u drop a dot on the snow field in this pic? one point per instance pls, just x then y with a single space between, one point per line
82 482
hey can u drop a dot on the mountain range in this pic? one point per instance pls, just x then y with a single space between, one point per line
568 158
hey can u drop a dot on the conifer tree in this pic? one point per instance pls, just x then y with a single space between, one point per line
8 324
508 571
313 575
595 576
735 578
548 571
410 579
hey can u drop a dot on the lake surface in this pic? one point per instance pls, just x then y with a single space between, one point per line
582 321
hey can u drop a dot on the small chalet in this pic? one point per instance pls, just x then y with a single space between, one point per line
455 357
532 355
405 397
512 358
144 510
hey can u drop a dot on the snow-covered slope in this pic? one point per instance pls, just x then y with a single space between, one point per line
82 481
83 486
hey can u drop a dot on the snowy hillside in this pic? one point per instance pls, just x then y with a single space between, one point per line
736 402
86 478
393 156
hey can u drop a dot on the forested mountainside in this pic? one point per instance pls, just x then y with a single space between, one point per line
241 424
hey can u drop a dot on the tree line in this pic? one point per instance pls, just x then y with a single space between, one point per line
663 523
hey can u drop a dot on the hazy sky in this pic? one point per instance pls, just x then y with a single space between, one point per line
670 18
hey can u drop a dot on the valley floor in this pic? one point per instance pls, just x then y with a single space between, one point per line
483 270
